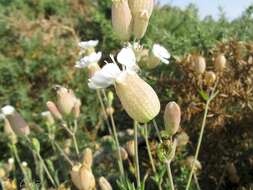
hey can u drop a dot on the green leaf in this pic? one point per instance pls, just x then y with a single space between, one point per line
203 95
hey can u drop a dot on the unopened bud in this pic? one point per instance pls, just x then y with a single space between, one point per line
110 110
87 179
220 63
121 19
130 148
141 11
210 78
66 100
198 64
172 117
110 98
76 109
2 173
104 184
232 173
137 97
87 157
123 153
16 121
48 118
190 163
54 110
9 132
24 164
75 176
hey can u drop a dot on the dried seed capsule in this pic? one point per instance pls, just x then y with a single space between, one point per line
172 117
137 97
189 163
220 63
198 64
121 19
75 176
182 139
210 78
104 184
16 121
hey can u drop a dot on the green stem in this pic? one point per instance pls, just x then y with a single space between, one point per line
170 175
148 148
213 95
104 111
63 154
137 168
121 168
157 130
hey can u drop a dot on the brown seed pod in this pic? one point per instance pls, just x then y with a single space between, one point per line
198 64
210 78
220 63
130 148
137 97
87 157
182 139
189 163
121 19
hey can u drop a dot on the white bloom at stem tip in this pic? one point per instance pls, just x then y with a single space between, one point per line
126 57
88 44
8 110
105 77
87 60
161 53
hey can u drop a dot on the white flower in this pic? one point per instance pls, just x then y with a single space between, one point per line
161 53
87 60
88 44
8 110
111 71
126 57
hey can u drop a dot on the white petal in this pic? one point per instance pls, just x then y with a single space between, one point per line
8 110
87 60
105 77
127 57
161 53
88 44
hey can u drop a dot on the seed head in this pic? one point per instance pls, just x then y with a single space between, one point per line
210 78
198 64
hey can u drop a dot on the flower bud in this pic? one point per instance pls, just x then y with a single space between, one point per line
121 19
92 68
210 78
232 173
130 148
182 139
141 11
110 98
9 132
87 157
198 64
76 109
137 97
220 63
87 179
75 176
104 184
2 173
172 117
16 121
48 118
54 110
123 153
189 163
66 100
